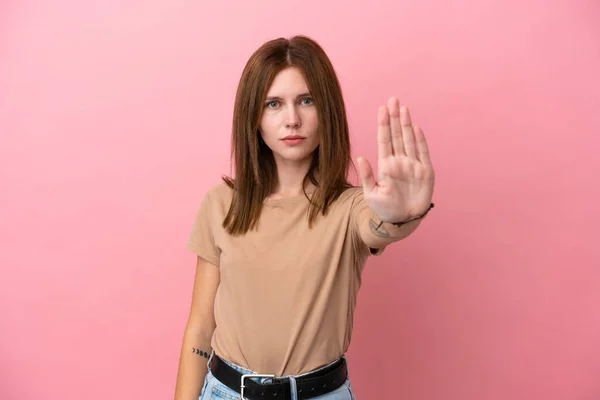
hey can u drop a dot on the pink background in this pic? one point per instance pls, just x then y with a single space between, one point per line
115 118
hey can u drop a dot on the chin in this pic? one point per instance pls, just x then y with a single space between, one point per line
294 156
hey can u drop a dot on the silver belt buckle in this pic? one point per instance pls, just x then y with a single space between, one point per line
251 376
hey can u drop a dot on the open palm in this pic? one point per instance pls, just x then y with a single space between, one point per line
403 186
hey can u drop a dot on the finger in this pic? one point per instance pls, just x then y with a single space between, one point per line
422 147
408 134
366 175
384 139
396 127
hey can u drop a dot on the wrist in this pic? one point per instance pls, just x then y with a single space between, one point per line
411 219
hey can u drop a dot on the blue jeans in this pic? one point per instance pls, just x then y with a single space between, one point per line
214 389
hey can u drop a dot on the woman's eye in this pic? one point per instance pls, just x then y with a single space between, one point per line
307 101
272 104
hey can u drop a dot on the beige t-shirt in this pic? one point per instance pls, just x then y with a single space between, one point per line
287 295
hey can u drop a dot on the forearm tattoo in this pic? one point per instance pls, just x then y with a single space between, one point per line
201 353
378 229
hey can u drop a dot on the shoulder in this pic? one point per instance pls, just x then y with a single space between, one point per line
351 195
352 201
220 192
217 197
347 201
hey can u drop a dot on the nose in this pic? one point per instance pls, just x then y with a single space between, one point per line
292 118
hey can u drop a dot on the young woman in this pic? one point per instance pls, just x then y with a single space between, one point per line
282 245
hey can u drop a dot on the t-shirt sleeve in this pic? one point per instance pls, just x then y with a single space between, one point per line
201 240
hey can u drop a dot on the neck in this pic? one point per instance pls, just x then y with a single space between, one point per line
290 178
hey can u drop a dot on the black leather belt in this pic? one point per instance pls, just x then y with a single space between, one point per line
308 386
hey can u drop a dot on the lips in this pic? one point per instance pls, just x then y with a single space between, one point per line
293 140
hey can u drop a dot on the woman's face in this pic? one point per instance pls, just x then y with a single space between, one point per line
289 121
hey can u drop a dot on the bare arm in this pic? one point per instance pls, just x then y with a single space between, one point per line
378 235
196 346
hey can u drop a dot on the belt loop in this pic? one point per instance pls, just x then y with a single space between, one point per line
212 353
293 388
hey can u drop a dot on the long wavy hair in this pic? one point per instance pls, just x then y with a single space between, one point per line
255 171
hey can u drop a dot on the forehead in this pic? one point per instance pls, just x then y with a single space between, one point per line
289 81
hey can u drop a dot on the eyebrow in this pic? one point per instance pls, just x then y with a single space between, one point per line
306 94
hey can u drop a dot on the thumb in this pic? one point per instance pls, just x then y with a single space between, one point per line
366 174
